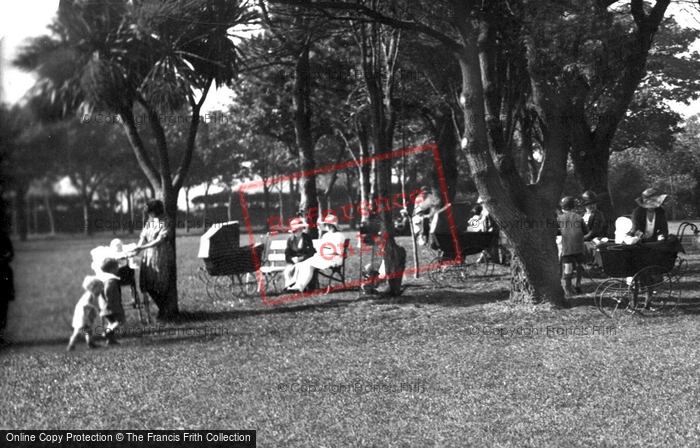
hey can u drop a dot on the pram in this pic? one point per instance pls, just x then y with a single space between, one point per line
229 270
644 276
470 246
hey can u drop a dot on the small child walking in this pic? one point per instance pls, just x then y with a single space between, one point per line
86 312
571 228
111 299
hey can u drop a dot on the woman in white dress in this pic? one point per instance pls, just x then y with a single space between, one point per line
330 254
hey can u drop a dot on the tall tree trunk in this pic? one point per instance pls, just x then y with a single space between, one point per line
187 209
280 198
526 213
591 148
206 206
49 212
378 57
365 168
112 198
229 208
85 196
351 199
130 207
446 137
304 139
266 197
591 164
170 308
526 162
86 218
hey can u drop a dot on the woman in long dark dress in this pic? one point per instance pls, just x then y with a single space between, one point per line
158 257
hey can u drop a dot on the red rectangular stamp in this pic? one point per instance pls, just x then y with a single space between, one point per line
338 254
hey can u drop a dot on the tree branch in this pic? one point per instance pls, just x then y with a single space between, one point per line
145 162
184 167
161 143
450 43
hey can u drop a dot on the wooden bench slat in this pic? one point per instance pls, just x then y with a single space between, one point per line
278 245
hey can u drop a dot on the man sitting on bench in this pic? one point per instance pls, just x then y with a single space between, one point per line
330 254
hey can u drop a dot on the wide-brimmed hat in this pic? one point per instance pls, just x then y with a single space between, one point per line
296 224
331 220
567 203
651 198
589 197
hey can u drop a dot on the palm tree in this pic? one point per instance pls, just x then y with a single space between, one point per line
139 61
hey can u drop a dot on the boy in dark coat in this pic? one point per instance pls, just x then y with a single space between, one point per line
571 227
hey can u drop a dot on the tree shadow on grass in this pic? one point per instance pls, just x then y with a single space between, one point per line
412 295
447 297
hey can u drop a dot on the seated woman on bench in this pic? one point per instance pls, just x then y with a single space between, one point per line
300 247
331 254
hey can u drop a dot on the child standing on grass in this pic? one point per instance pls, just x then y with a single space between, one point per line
86 312
111 299
571 227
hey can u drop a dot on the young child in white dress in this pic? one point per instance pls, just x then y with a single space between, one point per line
86 312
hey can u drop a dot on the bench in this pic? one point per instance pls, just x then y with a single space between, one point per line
275 262
334 273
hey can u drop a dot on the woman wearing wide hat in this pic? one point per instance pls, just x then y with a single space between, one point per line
300 247
330 254
649 219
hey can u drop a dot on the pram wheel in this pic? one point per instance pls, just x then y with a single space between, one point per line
614 298
654 287
246 284
446 271
479 265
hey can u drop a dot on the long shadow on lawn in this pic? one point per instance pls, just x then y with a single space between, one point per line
413 294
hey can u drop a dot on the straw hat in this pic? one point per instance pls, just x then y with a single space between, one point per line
331 220
651 198
296 224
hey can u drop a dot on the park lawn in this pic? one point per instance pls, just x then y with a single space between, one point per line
439 366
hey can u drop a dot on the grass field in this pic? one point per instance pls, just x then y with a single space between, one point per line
439 366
